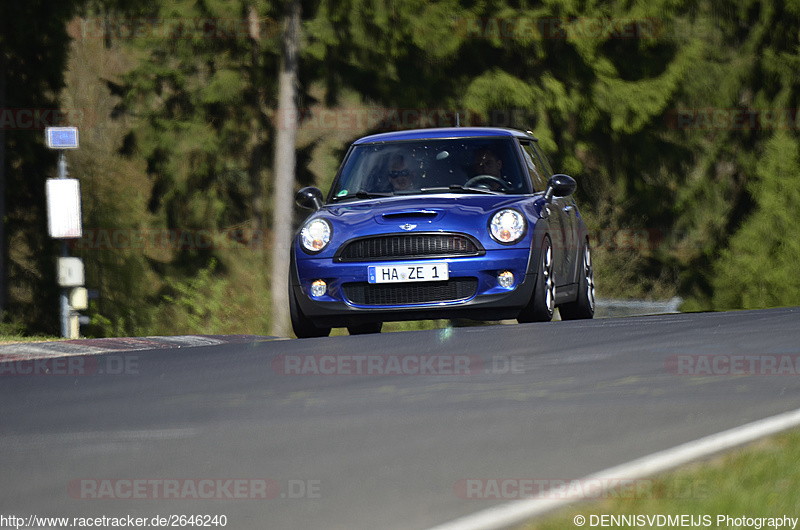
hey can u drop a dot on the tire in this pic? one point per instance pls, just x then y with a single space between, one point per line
583 306
302 326
542 304
365 329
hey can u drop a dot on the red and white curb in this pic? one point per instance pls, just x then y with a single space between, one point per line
39 350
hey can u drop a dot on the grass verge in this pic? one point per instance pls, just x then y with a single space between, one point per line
734 490
14 339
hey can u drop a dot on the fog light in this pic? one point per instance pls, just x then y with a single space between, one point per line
318 288
505 279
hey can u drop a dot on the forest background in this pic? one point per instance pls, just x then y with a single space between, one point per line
678 119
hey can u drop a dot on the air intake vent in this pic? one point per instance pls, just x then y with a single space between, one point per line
452 290
399 216
409 246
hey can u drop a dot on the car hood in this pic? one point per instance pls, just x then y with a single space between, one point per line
421 213
430 208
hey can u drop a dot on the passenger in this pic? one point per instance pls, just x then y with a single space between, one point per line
401 177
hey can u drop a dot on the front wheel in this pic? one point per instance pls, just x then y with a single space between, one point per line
302 326
583 306
543 301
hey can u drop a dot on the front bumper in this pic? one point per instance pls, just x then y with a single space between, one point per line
490 301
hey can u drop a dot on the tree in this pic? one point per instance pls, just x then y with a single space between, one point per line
749 79
758 269
285 162
33 52
199 102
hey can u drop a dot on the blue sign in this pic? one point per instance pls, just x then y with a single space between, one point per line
62 137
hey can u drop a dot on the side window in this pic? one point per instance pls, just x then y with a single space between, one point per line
548 170
533 162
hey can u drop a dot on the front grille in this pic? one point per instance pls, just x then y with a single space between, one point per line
413 293
405 246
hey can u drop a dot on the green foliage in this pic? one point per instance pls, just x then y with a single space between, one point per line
114 193
200 104
748 68
11 329
758 270
199 301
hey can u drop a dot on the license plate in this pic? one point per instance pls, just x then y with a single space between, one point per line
408 272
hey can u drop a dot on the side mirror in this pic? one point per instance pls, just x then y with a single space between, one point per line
560 185
309 198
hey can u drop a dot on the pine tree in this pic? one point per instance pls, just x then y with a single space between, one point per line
749 77
758 269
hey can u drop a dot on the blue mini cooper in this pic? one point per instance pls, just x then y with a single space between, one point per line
440 223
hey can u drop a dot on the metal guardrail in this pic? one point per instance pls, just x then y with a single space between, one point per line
625 308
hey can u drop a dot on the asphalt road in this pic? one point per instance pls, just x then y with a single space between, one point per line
554 401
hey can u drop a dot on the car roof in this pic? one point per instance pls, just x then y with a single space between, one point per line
443 132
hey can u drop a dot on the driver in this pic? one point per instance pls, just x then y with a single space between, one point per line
487 163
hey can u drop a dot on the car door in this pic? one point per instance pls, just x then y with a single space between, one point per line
570 225
557 216
565 209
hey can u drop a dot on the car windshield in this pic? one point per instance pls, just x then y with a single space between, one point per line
464 165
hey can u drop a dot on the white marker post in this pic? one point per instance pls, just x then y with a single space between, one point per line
64 220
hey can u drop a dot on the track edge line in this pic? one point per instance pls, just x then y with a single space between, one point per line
518 512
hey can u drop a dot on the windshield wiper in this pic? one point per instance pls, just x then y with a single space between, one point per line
460 189
361 194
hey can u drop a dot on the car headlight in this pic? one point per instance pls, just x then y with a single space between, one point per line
507 226
315 235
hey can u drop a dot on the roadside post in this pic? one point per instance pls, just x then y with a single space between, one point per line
64 222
